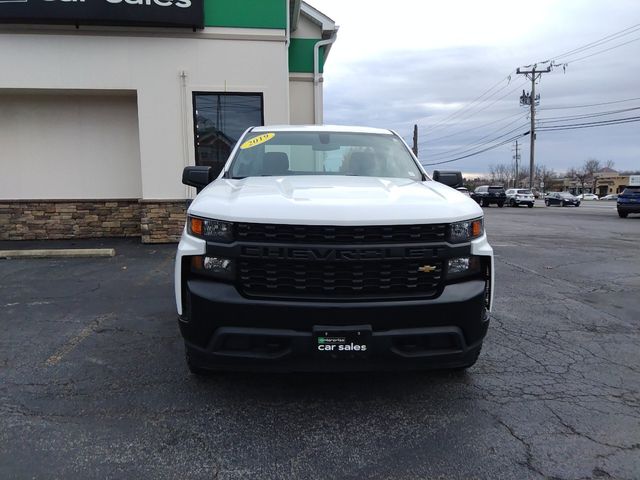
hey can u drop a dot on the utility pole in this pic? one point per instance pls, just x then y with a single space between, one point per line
531 100
517 159
415 140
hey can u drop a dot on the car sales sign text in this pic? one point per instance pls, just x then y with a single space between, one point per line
144 13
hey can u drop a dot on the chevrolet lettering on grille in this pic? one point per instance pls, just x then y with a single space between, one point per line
338 254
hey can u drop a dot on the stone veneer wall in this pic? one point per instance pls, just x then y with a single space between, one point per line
154 222
162 221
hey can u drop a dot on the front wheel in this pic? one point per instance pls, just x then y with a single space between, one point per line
546 202
622 214
563 204
530 205
485 203
500 204
512 203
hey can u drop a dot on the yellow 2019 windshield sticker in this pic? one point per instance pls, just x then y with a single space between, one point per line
257 140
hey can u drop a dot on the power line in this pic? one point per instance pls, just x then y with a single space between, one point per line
477 143
588 105
585 115
489 105
596 43
480 151
601 123
567 62
466 150
473 102
432 140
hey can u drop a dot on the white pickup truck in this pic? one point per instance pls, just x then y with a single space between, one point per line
330 248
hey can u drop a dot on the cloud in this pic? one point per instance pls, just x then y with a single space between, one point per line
394 74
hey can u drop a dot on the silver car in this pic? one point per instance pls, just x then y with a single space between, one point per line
520 196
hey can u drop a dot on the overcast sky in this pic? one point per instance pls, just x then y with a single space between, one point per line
419 61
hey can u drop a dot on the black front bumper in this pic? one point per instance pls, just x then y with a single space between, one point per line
629 207
224 330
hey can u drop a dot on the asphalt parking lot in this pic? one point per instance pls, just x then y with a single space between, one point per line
93 382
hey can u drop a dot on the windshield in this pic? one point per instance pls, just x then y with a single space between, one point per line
525 192
631 190
566 195
323 153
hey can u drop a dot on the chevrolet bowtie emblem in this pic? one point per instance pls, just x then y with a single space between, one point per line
426 268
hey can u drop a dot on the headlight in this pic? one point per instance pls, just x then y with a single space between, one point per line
223 268
461 232
209 229
463 266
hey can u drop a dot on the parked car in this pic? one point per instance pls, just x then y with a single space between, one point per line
563 199
520 196
485 195
611 196
588 196
629 201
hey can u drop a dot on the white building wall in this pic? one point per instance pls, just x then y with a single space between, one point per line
69 146
215 60
301 98
306 28
301 95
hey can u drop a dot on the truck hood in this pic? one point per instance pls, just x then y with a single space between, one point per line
333 200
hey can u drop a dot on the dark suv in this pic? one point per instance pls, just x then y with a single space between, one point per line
629 201
485 195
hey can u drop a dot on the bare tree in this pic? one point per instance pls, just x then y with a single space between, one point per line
501 173
523 177
610 164
590 168
472 183
545 174
583 177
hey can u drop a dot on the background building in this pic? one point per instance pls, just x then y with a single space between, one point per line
603 182
103 103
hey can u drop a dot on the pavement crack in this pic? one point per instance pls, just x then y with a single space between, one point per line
573 431
528 462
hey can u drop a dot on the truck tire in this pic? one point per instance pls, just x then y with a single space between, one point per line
485 203
622 214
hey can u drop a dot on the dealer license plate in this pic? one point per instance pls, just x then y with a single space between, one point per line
342 342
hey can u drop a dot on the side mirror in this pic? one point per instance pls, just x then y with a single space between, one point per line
198 177
451 179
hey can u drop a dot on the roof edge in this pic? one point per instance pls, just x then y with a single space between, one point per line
327 25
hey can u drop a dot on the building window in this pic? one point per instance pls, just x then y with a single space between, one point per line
219 120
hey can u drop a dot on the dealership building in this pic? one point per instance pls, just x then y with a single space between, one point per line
103 102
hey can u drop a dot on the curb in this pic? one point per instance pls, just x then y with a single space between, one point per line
59 253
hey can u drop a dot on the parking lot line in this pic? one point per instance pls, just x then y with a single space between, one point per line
73 342
58 252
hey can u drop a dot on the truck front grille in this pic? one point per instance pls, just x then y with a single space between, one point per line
339 280
321 234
